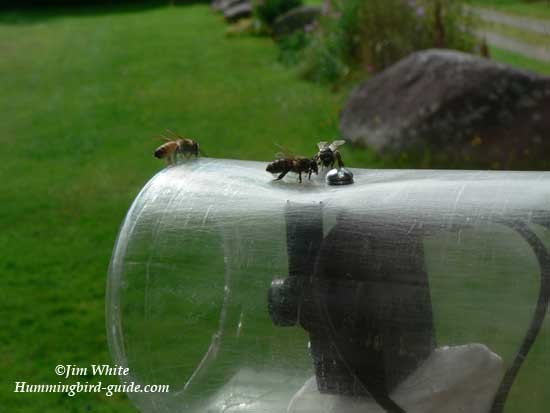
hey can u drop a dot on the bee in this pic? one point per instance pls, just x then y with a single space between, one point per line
287 162
177 145
328 154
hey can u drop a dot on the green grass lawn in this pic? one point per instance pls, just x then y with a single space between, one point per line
515 59
536 9
83 93
529 37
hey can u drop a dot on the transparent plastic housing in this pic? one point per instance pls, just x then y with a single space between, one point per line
426 289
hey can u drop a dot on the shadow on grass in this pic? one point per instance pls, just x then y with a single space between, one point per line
35 11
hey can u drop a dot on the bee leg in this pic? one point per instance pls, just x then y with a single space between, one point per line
300 177
339 158
282 175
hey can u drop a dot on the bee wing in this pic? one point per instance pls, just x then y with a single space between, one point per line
285 152
174 134
334 145
164 138
322 145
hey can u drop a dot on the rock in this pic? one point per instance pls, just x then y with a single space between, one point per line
460 107
223 5
296 19
238 11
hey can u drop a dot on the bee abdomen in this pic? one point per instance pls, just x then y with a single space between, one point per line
279 165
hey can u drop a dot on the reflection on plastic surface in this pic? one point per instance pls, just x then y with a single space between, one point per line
248 295
452 380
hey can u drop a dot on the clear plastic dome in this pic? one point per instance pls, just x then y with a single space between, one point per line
417 291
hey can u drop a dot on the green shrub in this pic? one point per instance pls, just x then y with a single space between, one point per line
365 36
322 60
291 47
269 10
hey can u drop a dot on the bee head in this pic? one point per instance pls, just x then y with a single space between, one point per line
271 168
325 156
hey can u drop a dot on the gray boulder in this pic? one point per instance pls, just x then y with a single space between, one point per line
238 11
295 19
461 107
223 5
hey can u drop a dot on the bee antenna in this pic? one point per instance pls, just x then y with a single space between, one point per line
170 131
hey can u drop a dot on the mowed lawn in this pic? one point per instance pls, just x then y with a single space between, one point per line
535 8
83 94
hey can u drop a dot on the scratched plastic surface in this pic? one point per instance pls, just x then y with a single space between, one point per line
202 242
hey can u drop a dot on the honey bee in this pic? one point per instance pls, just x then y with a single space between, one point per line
328 154
177 145
287 162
